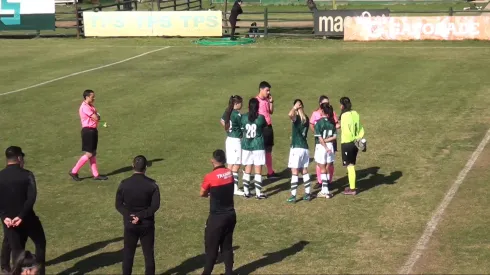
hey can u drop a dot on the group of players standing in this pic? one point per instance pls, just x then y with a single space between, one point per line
249 140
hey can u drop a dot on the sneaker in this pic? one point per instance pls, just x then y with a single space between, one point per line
307 197
292 199
325 195
261 197
349 191
74 176
273 176
239 193
100 177
247 195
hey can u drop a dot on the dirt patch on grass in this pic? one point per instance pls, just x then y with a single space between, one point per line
66 24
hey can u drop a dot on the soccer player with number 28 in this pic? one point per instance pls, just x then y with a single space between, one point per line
253 148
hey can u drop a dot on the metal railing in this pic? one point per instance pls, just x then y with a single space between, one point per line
268 25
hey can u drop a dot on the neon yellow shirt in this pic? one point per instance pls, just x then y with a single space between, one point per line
351 128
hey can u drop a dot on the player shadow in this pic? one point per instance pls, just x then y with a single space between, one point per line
82 251
95 262
284 174
366 179
271 258
190 265
130 168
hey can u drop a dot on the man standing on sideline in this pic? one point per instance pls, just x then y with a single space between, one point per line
138 199
18 194
266 108
221 222
90 136
351 138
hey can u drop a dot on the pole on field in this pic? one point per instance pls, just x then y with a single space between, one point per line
77 16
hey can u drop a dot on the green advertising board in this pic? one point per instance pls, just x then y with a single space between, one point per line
27 15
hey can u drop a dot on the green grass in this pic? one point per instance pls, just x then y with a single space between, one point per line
417 101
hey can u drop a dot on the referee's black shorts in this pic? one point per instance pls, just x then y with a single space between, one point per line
268 138
90 138
349 153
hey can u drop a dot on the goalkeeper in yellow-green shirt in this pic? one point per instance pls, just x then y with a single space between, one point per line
352 140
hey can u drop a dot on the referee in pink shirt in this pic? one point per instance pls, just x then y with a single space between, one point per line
90 136
266 108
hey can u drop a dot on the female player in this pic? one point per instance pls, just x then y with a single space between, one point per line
315 116
231 122
253 148
299 156
325 134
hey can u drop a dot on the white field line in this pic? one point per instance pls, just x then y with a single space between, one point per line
436 217
82 72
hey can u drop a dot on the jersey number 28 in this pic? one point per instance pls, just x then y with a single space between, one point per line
251 130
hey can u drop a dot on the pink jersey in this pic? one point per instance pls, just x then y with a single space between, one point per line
265 109
318 114
86 111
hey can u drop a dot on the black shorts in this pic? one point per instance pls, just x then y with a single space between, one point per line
90 138
268 137
349 153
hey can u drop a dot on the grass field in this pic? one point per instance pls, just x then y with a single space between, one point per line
424 106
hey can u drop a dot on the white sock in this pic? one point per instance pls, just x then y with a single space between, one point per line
325 184
258 184
246 183
294 185
306 181
235 180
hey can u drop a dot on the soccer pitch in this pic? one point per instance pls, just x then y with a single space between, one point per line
424 106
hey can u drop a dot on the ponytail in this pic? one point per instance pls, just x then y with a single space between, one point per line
234 99
253 109
328 111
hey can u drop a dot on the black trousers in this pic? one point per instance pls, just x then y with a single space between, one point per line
219 235
146 235
5 256
233 25
32 228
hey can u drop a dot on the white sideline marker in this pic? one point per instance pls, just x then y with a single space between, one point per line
436 217
82 72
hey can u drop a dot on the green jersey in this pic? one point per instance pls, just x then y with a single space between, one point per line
299 133
324 129
253 138
235 130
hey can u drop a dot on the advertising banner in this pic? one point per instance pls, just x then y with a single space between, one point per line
152 23
27 15
418 28
331 22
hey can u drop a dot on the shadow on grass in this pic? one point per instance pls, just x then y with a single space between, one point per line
272 258
366 179
190 265
95 262
82 251
130 168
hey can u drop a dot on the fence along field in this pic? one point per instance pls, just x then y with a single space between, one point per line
293 20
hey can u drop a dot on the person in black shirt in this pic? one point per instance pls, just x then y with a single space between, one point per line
235 11
219 185
17 197
137 199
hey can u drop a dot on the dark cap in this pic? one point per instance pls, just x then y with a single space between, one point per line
13 152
